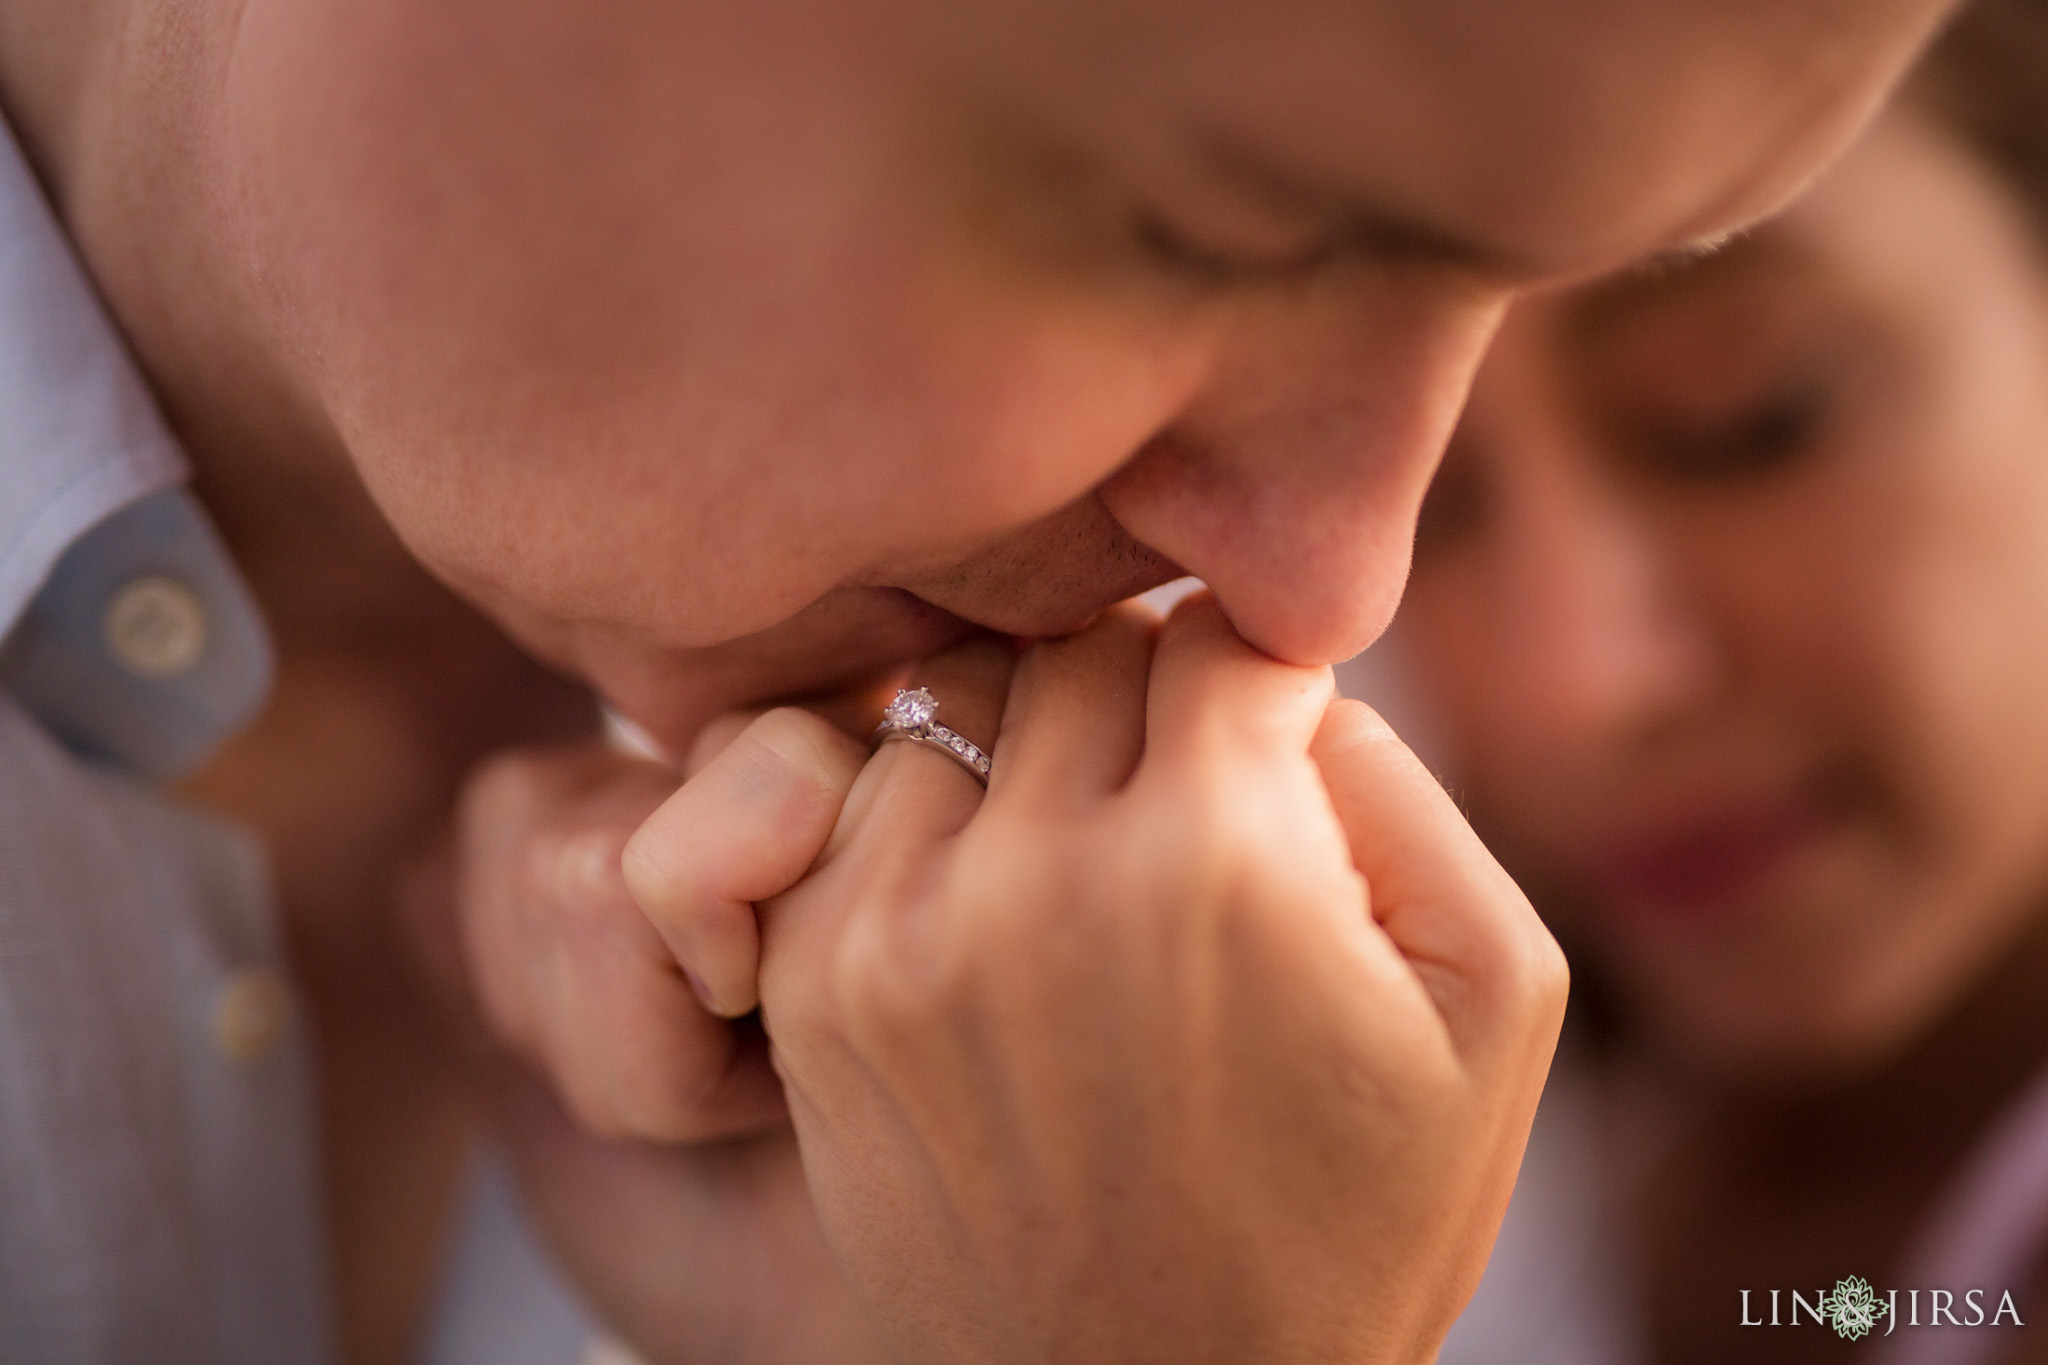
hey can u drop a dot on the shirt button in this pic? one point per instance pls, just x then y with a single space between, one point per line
249 1013
156 627
604 1350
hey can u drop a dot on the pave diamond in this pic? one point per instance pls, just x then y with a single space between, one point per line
912 709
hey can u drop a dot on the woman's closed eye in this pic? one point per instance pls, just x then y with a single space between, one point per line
1735 369
1758 434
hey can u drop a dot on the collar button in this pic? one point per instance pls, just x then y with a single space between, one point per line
155 627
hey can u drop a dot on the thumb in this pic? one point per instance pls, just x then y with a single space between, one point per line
744 828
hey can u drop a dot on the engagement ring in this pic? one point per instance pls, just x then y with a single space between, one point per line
909 717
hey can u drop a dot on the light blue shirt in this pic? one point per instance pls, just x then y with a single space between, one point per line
159 1192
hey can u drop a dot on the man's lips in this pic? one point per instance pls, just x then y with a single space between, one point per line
1049 595
844 643
1024 626
1705 865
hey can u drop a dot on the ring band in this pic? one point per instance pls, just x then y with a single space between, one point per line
910 716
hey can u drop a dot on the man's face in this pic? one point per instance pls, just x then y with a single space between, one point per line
733 350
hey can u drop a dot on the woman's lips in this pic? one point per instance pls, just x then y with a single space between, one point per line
1705 866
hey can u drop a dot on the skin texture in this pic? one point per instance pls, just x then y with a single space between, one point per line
691 388
1765 536
991 316
1189 863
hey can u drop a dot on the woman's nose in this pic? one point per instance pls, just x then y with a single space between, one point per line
1594 639
1291 485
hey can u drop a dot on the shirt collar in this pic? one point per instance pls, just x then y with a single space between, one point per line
123 625
79 436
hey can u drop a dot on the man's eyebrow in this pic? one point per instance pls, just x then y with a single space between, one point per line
1705 265
1355 226
1686 253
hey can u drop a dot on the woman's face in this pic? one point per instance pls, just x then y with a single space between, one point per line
1733 599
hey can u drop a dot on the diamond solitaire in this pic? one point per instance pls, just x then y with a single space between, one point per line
911 715
912 709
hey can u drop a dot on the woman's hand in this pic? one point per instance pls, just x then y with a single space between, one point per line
1210 1034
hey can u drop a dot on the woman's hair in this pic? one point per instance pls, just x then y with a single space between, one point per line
1986 80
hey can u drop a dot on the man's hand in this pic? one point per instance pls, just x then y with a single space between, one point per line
1211 1034
693 1251
586 983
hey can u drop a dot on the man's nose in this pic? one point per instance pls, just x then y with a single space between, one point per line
1291 484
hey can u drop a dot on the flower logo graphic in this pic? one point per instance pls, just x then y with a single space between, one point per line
1853 1308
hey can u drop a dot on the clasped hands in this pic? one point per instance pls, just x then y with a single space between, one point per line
1209 1033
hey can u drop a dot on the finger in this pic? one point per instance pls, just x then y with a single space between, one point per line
1470 934
744 828
1212 696
502 805
906 800
853 711
572 974
634 1051
718 733
914 795
1075 721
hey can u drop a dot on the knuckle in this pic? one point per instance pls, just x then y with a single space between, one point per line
872 992
1529 971
673 897
1015 896
809 1038
1194 851
1551 975
657 870
540 887
664 863
578 873
899 971
818 753
505 786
